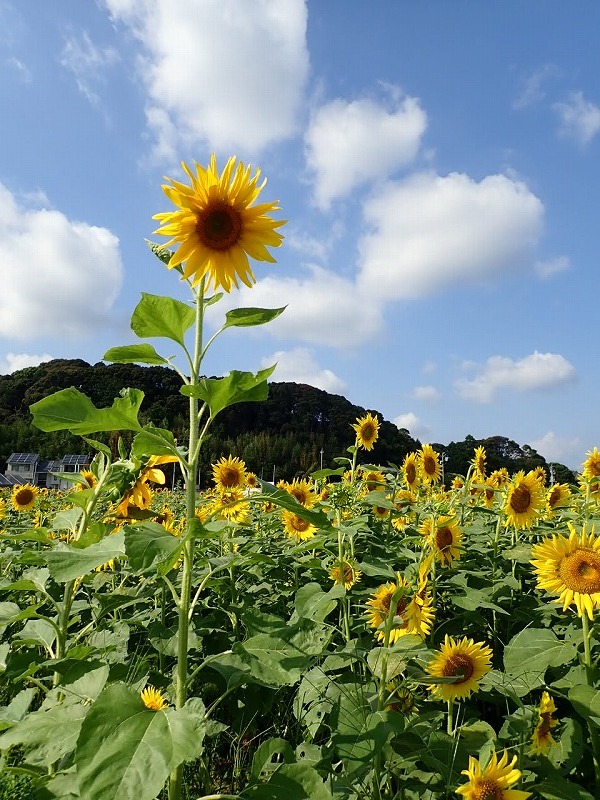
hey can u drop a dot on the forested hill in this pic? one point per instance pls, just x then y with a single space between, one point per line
285 434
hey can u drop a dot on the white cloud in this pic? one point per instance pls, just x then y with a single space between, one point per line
429 367
531 91
580 119
58 276
322 308
22 69
15 361
430 232
546 269
309 245
350 143
534 372
562 449
427 393
299 366
413 425
227 73
87 62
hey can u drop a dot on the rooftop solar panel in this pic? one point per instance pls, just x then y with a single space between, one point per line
23 458
76 459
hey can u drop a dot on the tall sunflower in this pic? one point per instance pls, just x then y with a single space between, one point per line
413 614
296 527
303 491
23 497
464 659
478 462
570 568
542 740
217 226
591 466
492 782
443 535
229 473
429 464
367 431
140 494
410 470
524 500
558 496
344 574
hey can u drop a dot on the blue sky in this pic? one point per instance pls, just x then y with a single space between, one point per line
438 165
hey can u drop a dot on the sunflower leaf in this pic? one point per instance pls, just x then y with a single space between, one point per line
237 387
68 563
71 410
149 545
134 354
163 317
248 317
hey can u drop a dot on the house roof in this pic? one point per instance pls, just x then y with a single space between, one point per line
12 480
23 458
75 459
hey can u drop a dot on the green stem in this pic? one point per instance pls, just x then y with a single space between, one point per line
63 624
450 721
587 655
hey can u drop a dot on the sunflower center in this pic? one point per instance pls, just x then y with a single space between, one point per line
367 431
443 538
429 465
300 524
24 496
229 477
554 497
459 665
544 724
219 226
580 571
520 500
411 473
487 790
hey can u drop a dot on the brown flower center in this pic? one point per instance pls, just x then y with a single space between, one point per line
554 497
24 496
544 724
580 571
219 226
299 524
593 467
520 499
429 465
367 432
411 473
458 665
229 477
487 790
443 538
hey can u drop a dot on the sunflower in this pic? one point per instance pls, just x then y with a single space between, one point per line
429 464
492 782
217 226
153 698
466 660
558 496
230 505
489 492
570 568
410 470
367 431
542 740
23 497
252 481
412 615
373 480
296 527
524 500
379 512
303 491
457 482
140 494
499 477
229 473
591 466
2 508
443 536
345 574
478 462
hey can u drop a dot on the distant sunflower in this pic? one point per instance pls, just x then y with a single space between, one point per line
542 740
466 660
230 505
410 470
499 477
373 480
252 481
489 492
412 614
90 479
558 496
379 512
570 568
444 537
296 527
2 508
429 463
479 459
458 482
493 782
591 466
229 473
153 698
367 431
303 491
217 226
524 500
23 497
344 574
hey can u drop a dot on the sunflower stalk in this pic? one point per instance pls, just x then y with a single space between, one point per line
589 673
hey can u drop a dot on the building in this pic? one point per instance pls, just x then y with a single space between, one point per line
31 468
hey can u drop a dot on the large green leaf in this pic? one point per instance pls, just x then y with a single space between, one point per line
157 316
127 751
292 782
247 317
586 701
285 500
237 387
148 545
559 788
134 354
73 411
68 563
155 442
38 733
529 654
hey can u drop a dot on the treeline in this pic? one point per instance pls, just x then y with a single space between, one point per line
295 431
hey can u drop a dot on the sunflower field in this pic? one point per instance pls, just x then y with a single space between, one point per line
370 632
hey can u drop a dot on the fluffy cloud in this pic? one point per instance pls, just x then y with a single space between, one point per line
350 143
579 119
536 371
322 308
562 449
87 62
299 366
15 361
427 393
430 232
58 276
227 73
546 269
413 425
